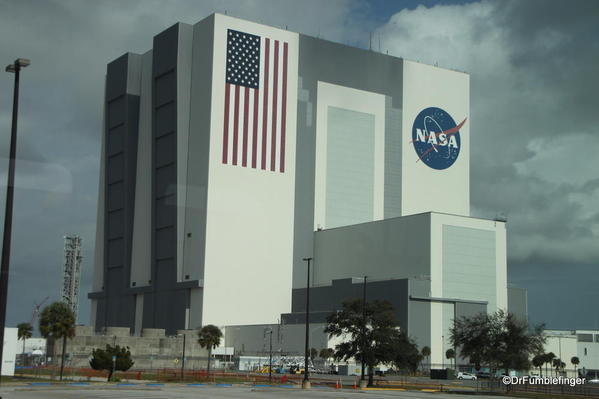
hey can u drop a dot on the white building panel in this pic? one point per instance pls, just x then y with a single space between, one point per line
468 262
438 177
249 228
9 352
350 156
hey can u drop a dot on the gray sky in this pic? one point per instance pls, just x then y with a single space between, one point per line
534 122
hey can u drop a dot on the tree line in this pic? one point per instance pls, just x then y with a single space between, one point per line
371 335
57 322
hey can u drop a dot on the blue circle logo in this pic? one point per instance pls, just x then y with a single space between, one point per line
436 138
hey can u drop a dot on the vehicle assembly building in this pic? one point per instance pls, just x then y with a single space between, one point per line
231 150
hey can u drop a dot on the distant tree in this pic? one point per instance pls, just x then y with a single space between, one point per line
575 361
209 338
313 354
500 340
426 352
102 359
373 341
558 365
548 359
58 321
326 353
405 352
450 354
24 332
538 361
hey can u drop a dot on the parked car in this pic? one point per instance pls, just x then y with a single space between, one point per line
465 376
592 378
483 374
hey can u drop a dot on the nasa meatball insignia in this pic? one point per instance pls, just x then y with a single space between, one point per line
436 138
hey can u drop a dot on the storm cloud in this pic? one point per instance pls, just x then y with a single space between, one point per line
534 119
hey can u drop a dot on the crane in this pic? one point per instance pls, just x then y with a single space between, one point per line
36 310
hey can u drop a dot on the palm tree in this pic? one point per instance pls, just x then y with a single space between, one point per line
58 321
209 338
548 358
24 331
450 354
426 352
538 361
557 363
575 361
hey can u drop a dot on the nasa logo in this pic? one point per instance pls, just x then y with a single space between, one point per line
436 138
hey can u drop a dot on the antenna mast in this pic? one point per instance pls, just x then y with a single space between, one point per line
72 272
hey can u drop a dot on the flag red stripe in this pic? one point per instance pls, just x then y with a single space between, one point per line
255 131
275 83
246 104
283 108
236 126
265 102
226 129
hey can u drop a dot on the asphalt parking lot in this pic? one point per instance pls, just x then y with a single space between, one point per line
208 392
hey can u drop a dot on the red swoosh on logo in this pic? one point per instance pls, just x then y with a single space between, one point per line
447 133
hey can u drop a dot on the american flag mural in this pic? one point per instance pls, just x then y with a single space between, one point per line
255 102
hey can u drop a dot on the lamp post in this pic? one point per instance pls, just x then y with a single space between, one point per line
306 381
269 331
183 358
363 327
16 69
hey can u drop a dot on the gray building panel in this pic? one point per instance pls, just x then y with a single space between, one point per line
517 302
121 131
198 157
325 300
164 168
287 339
392 160
391 248
320 60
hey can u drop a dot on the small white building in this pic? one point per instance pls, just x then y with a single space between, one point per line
9 352
584 344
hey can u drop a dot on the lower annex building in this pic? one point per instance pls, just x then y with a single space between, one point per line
231 150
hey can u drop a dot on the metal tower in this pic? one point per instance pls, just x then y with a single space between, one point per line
72 272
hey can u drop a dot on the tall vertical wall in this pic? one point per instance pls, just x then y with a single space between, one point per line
249 227
118 177
143 278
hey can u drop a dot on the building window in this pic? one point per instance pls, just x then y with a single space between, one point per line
585 337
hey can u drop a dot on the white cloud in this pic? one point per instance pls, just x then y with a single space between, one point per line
534 142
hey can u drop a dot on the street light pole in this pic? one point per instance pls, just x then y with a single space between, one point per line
16 69
270 357
306 381
363 327
183 358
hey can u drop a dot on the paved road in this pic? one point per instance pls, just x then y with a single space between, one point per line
210 392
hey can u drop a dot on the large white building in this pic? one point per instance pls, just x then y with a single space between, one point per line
231 150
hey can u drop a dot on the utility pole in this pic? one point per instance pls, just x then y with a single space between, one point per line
183 358
270 357
306 381
363 328
10 191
